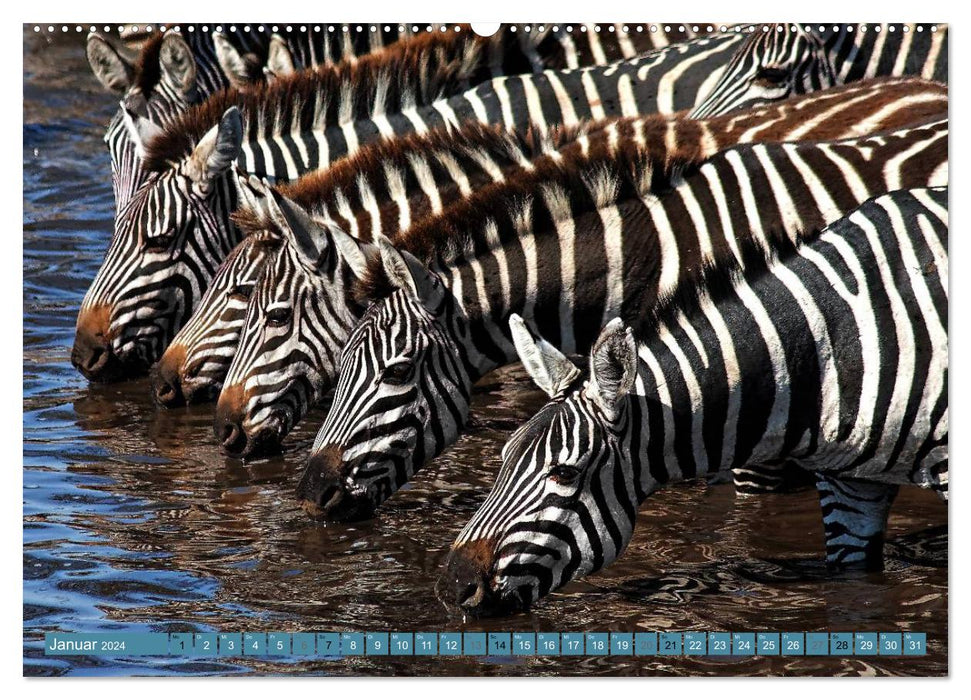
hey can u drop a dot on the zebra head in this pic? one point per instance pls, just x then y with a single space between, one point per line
193 367
168 241
155 90
299 316
563 504
402 392
771 65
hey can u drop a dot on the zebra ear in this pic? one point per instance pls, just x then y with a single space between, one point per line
308 237
111 70
231 61
550 369
177 63
406 272
354 252
279 60
613 365
141 130
218 149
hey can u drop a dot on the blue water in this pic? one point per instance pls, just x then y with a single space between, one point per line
134 522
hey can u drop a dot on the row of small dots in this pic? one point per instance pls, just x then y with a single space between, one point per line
556 28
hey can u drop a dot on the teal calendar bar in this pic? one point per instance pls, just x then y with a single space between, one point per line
338 645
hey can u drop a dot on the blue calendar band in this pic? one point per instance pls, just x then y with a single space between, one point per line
492 644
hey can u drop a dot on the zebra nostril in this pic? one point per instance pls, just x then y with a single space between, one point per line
232 438
96 359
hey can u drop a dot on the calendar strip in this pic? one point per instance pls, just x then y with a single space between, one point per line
486 644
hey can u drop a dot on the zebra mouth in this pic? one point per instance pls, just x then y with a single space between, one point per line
336 503
103 365
266 441
485 599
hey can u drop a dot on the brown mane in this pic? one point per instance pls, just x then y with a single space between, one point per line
310 189
148 68
310 99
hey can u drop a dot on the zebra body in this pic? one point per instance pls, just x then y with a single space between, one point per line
832 355
298 124
275 379
779 60
612 239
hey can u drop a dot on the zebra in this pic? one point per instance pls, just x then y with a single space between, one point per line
779 60
172 235
378 190
743 368
567 247
193 185
275 378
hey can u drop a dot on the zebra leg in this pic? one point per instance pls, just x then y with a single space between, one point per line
854 521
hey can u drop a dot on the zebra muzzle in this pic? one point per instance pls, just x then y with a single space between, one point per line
166 382
467 582
324 491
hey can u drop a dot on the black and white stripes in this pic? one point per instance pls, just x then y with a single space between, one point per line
612 237
831 354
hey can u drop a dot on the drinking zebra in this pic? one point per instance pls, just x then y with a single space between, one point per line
779 60
831 354
176 230
275 378
567 248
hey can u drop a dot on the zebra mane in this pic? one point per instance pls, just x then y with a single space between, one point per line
251 222
470 137
583 177
402 76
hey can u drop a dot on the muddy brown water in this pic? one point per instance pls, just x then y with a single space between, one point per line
133 520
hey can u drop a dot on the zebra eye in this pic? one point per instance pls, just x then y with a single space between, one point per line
241 291
279 316
158 244
772 77
398 373
564 473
